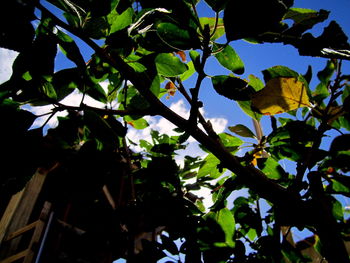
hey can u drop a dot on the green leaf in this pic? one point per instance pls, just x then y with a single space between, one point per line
229 59
209 167
304 19
212 22
195 57
337 210
255 82
176 37
246 107
169 65
242 131
321 92
138 123
271 168
279 71
120 21
188 73
230 141
155 86
233 88
325 75
225 219
70 49
48 89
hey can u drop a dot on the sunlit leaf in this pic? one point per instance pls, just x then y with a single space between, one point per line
229 59
219 31
189 72
120 21
169 65
280 95
271 168
225 219
209 167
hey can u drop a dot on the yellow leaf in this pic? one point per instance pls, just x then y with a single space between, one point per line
280 95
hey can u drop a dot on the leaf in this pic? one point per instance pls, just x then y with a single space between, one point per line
16 16
233 88
119 21
242 131
138 123
271 168
280 95
230 141
229 59
325 75
304 19
249 18
279 71
211 21
225 219
246 107
70 49
209 167
217 5
96 92
188 73
255 82
169 65
48 89
176 37
100 128
195 57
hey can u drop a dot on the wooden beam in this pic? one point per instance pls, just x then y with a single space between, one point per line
21 231
13 258
22 209
40 227
9 213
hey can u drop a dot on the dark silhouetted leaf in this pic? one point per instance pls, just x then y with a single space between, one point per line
233 88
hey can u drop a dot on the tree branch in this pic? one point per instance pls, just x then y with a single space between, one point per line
252 177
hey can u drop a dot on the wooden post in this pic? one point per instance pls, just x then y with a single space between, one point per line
9 213
19 210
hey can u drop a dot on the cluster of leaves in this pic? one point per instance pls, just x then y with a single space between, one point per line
143 57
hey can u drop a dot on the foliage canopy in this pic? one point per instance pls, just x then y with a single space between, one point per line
146 51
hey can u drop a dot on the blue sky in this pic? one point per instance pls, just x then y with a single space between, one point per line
222 111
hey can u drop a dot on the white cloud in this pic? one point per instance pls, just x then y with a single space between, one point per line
74 99
6 60
165 127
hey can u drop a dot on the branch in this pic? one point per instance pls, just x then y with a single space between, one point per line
326 225
149 111
201 75
252 177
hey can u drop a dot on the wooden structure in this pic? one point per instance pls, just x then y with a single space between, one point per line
40 226
15 223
